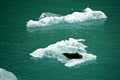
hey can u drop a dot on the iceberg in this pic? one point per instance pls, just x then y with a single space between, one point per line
6 75
47 18
71 46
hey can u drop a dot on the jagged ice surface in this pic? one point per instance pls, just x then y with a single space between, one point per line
71 46
47 18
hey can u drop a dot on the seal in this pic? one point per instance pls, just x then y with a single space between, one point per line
73 55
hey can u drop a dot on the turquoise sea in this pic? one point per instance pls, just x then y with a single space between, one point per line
17 41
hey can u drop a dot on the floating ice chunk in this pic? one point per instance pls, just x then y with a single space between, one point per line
6 75
70 46
47 18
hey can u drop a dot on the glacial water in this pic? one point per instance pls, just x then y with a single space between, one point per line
34 53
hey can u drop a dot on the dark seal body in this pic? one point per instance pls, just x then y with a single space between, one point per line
73 55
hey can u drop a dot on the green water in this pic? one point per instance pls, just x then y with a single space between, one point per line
16 41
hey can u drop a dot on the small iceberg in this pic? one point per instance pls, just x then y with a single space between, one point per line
6 75
57 49
47 18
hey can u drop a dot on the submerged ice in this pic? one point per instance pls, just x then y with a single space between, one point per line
47 18
6 75
71 46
